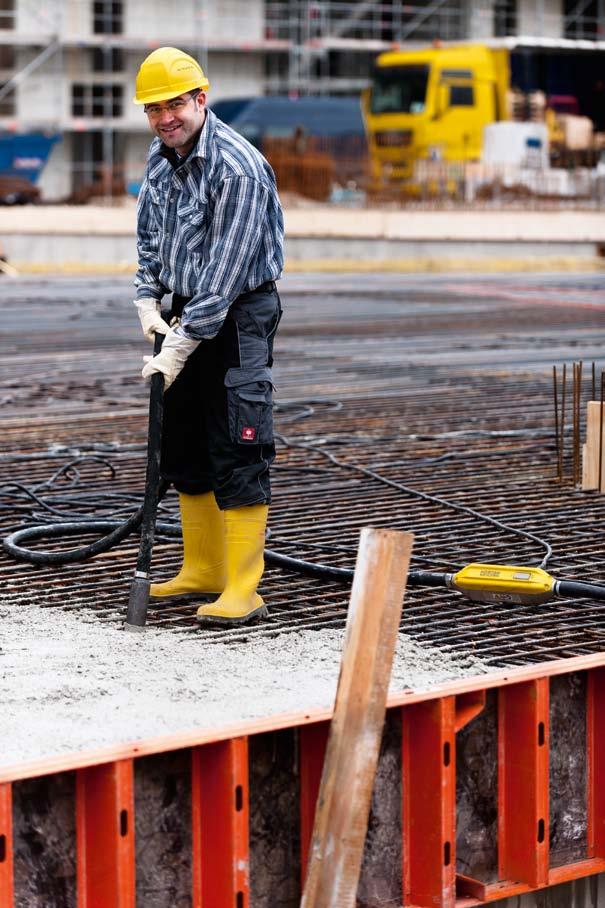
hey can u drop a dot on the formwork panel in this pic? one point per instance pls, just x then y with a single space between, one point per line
44 834
251 788
163 830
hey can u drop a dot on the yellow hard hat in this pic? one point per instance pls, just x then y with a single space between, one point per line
166 73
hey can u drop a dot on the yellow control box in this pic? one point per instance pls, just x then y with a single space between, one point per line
504 583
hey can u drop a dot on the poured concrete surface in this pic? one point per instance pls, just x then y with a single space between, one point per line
71 683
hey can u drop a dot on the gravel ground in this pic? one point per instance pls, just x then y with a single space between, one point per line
70 683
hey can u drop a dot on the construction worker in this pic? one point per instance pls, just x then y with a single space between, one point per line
210 231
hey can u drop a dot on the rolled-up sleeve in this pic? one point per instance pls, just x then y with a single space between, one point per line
148 238
229 249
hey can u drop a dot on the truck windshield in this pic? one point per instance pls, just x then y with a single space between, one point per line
399 89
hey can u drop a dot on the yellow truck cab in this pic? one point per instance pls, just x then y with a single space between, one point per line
432 104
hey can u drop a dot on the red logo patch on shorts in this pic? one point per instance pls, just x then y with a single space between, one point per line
248 433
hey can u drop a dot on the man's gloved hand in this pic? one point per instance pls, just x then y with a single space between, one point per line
172 357
151 320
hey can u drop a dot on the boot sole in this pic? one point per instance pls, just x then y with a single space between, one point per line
172 597
261 612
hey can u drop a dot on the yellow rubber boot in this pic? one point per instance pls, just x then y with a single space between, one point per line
203 570
244 546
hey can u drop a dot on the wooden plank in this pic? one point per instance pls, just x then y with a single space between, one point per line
105 836
219 825
350 766
590 450
6 846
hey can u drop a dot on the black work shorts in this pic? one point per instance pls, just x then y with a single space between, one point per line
218 413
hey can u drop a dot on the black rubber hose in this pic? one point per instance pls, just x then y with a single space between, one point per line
568 589
308 567
118 531
138 600
565 589
13 545
415 578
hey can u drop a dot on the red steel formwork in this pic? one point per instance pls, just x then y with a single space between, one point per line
105 820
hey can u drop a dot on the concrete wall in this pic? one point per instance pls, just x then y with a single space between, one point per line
235 74
167 21
162 20
540 18
40 96
47 18
234 20
480 20
229 21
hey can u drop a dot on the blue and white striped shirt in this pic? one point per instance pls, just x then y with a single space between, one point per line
210 229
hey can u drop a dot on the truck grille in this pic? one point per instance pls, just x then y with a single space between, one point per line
394 138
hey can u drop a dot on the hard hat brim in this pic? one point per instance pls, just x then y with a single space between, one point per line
166 94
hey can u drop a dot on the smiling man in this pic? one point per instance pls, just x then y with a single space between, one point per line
210 232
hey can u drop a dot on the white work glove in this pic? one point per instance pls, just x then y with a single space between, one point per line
151 320
172 357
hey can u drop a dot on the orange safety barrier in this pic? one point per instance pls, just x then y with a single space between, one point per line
430 721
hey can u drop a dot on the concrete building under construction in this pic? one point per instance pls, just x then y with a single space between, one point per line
69 67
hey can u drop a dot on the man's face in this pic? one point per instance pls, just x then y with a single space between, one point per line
177 120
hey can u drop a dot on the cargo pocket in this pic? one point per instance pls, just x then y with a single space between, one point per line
250 405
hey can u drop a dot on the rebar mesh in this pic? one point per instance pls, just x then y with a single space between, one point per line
443 386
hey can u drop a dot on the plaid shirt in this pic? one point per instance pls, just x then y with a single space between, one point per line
209 228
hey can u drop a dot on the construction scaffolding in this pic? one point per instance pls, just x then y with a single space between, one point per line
82 56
